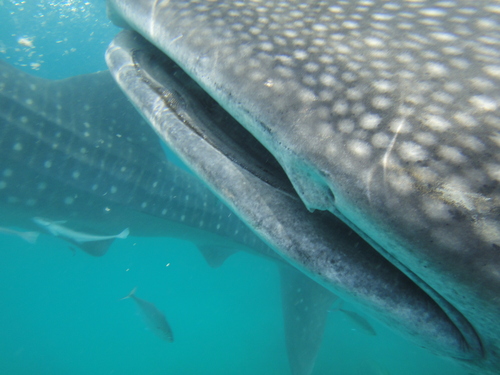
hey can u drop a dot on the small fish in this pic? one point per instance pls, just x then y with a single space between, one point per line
95 245
153 317
29 237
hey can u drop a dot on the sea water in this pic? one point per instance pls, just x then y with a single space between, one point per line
61 310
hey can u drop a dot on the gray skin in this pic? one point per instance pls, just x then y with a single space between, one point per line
384 114
77 150
317 243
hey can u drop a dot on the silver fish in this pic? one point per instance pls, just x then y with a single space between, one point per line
154 318
93 244
57 229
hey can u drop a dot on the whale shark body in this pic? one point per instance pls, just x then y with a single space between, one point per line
66 157
383 115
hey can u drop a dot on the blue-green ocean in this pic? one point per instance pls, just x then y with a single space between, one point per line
61 310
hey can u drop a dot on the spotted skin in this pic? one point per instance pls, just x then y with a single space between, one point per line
66 156
319 244
385 114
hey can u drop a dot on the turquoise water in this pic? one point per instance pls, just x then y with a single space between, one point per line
61 310
62 314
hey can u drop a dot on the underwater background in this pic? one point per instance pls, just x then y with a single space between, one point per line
61 310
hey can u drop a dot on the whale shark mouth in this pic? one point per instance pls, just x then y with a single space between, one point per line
251 181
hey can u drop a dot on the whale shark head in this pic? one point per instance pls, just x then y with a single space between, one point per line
384 115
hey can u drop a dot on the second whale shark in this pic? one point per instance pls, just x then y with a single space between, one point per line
77 152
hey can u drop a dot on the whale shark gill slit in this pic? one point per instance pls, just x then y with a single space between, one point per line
223 132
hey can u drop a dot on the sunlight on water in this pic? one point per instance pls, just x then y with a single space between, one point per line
37 34
74 9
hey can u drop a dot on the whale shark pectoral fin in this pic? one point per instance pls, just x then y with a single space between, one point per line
94 248
305 312
214 255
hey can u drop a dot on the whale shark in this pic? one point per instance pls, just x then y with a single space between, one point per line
383 115
77 152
